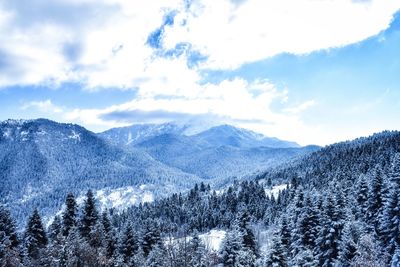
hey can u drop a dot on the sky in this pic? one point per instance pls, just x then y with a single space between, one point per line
310 71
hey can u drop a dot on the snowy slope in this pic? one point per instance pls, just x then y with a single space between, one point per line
220 153
41 161
227 135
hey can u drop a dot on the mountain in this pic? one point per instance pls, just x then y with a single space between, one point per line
41 160
219 162
227 135
134 134
220 153
344 162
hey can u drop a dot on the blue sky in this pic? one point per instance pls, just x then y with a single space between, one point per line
315 72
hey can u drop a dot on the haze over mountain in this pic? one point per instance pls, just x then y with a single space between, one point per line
42 160
220 152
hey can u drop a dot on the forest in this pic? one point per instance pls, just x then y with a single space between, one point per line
340 207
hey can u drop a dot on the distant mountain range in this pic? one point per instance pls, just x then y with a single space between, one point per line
222 135
42 160
220 152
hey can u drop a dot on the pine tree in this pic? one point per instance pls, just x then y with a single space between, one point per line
231 246
249 240
7 226
348 245
89 216
390 223
197 251
306 230
69 215
55 228
390 227
9 255
329 236
35 237
151 237
375 200
156 257
277 255
367 253
362 198
129 244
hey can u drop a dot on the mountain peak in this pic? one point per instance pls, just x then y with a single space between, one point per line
226 134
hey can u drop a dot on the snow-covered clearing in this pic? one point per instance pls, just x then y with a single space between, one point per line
274 191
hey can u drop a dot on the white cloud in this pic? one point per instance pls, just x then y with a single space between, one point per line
232 34
237 102
301 107
103 43
46 106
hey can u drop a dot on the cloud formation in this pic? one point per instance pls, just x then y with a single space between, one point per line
162 48
114 43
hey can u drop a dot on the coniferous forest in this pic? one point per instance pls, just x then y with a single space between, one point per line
340 207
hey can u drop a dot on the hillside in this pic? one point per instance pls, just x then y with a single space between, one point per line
41 160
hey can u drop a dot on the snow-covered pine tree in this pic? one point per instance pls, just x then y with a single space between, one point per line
129 244
375 199
277 255
69 216
35 237
390 223
306 231
7 226
55 228
231 246
150 237
89 216
362 198
329 236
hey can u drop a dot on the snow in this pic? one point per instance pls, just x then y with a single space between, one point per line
147 197
123 197
75 136
7 133
274 191
213 239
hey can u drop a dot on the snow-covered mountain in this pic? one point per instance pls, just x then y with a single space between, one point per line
219 153
41 160
135 134
227 135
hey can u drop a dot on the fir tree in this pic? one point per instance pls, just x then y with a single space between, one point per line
151 237
249 241
329 236
129 244
69 215
362 198
89 216
35 237
55 228
375 200
9 255
7 226
230 248
277 255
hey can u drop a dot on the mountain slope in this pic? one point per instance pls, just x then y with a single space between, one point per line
219 153
41 160
216 162
135 134
227 135
343 162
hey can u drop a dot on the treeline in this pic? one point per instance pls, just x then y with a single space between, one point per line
83 236
340 226
342 209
